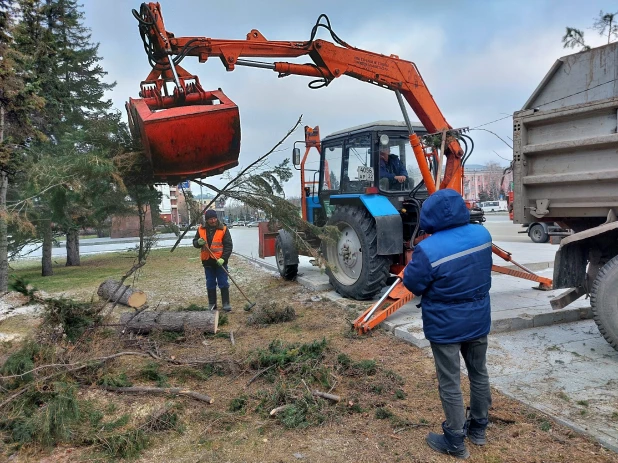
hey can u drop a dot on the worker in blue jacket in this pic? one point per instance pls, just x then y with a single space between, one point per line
451 271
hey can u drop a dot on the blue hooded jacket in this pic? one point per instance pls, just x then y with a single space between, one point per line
451 270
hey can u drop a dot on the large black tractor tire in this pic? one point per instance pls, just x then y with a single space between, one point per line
354 267
538 234
286 255
604 301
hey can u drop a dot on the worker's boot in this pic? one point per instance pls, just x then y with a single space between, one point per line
225 299
450 443
212 298
476 431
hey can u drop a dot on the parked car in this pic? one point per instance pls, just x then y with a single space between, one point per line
253 224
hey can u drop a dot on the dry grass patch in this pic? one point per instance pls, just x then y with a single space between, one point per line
388 389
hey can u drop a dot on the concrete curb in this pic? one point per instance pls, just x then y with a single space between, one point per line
306 282
412 332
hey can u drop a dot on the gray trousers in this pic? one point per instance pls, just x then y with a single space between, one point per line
446 358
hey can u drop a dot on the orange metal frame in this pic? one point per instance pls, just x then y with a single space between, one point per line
312 140
329 62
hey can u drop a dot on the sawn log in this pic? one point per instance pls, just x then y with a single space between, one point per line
145 322
112 290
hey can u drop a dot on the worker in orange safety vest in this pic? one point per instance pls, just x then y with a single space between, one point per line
215 242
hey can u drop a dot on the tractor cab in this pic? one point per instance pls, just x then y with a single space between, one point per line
370 158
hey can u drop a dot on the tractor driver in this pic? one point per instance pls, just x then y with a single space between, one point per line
393 173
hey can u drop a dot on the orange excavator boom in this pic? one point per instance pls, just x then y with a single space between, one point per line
329 61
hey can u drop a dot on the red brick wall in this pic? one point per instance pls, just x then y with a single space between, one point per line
128 226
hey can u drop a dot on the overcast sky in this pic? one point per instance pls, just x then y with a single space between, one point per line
480 59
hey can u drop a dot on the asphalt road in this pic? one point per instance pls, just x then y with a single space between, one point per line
503 229
246 240
498 224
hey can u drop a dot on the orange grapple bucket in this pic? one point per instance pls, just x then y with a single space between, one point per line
197 139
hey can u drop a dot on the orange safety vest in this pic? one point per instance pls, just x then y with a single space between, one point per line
216 246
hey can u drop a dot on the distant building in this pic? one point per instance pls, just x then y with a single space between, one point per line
477 179
169 203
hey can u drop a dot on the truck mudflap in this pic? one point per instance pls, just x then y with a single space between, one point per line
572 256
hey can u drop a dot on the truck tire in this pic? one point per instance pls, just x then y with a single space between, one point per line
286 256
604 301
354 267
538 234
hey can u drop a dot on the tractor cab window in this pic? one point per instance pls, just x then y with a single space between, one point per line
331 173
398 170
358 173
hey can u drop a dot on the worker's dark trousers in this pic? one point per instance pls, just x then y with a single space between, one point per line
446 358
216 275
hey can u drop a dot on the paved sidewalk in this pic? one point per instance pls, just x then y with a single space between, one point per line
567 371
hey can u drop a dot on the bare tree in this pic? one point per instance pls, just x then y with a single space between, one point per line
494 179
606 24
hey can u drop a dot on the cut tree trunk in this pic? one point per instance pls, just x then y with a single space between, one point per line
73 248
145 322
113 290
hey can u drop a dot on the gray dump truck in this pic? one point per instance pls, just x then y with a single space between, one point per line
565 163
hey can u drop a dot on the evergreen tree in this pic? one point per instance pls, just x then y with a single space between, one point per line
67 67
18 99
78 91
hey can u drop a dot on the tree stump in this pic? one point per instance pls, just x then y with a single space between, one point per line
112 290
145 322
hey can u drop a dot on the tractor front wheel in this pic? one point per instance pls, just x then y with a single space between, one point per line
354 267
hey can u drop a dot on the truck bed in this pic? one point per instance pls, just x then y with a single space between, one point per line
565 157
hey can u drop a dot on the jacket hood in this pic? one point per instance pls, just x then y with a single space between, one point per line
444 209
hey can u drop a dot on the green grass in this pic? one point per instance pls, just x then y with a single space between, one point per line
92 271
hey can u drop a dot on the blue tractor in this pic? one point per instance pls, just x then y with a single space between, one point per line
375 205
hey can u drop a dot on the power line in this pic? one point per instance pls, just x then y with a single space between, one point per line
498 136
496 153
577 93
487 123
